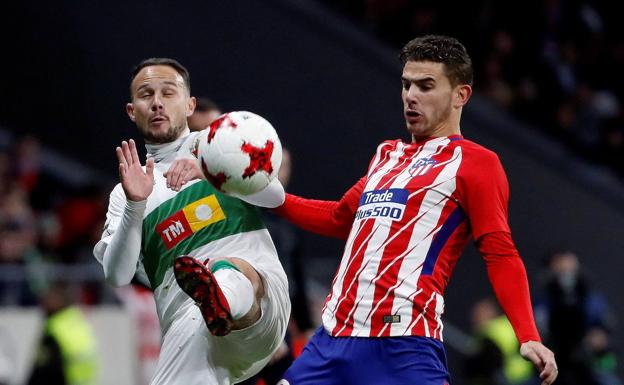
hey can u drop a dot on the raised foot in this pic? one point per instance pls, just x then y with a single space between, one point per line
199 283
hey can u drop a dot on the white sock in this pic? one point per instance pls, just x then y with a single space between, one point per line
237 289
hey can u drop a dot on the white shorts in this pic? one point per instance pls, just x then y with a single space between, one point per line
190 355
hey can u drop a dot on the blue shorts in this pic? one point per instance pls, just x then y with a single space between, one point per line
328 360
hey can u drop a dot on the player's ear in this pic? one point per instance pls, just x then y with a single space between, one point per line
190 107
130 111
461 95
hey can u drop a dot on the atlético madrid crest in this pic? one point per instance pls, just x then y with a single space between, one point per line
422 166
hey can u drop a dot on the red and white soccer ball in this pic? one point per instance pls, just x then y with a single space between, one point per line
239 153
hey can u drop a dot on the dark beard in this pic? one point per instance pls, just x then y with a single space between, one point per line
171 135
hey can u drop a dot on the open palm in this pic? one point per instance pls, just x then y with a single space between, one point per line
136 183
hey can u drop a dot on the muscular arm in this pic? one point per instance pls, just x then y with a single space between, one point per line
329 218
509 280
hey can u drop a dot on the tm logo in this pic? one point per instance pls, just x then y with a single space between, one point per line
173 230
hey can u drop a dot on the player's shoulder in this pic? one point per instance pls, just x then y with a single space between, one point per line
476 151
190 144
389 144
191 137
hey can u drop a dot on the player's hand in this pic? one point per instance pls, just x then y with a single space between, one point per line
181 172
542 358
136 183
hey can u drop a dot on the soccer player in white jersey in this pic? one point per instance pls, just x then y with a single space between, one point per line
220 291
405 224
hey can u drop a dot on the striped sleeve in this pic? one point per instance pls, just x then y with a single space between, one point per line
329 218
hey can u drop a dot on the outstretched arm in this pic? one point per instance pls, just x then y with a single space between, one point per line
270 197
184 170
120 246
329 218
509 280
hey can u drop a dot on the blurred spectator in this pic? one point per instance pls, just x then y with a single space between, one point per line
44 220
613 143
28 173
5 170
495 77
601 356
287 241
575 320
497 359
139 302
18 236
206 111
67 353
80 216
28 162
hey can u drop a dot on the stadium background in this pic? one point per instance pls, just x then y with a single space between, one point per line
326 75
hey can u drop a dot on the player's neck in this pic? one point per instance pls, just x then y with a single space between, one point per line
444 131
160 151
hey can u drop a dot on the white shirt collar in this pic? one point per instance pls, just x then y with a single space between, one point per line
161 151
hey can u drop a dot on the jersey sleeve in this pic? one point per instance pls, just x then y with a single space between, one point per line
116 203
509 281
483 193
119 249
270 197
329 218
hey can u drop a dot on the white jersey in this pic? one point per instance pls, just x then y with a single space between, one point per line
197 221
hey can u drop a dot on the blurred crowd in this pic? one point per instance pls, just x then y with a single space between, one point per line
44 221
574 319
47 230
553 64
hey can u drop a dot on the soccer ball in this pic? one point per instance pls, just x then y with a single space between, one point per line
239 153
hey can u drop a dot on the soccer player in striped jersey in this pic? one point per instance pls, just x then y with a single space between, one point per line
192 245
406 223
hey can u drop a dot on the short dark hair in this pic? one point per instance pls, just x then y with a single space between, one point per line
441 49
205 105
163 61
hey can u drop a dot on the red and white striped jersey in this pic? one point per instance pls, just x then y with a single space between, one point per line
420 204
